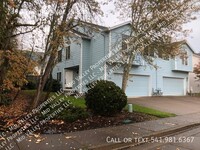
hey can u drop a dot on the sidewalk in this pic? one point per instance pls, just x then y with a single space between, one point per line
105 138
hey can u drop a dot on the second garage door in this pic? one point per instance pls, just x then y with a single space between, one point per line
138 85
173 86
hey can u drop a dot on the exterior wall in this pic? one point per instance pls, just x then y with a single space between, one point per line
177 62
156 76
115 38
194 84
73 61
86 55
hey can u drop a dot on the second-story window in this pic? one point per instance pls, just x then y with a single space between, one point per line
59 55
184 57
124 44
67 52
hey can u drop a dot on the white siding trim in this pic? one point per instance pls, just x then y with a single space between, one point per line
175 61
105 72
185 86
81 66
150 85
63 78
110 44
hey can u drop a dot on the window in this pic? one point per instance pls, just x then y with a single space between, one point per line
68 53
59 55
184 57
59 76
124 44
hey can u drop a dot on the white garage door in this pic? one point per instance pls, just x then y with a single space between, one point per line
138 85
173 86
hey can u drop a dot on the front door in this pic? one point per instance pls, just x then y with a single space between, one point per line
68 78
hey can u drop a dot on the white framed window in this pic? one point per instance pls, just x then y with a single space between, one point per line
59 55
67 52
59 76
184 57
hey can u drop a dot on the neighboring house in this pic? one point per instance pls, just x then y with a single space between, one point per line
194 83
35 56
88 59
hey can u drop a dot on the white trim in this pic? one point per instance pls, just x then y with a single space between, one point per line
63 78
110 44
105 72
185 86
150 85
190 47
81 67
119 25
175 62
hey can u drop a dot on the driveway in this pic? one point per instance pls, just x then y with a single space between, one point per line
179 105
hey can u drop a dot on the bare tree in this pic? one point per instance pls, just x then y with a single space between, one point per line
64 16
154 28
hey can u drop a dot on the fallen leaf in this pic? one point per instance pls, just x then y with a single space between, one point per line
70 137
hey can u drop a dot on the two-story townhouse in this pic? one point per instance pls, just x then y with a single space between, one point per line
89 59
194 83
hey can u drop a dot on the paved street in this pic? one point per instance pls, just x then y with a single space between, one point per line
189 140
179 105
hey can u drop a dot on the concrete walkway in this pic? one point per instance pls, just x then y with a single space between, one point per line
179 105
103 138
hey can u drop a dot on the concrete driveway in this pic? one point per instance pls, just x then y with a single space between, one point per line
179 105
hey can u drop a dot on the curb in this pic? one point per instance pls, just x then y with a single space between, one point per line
157 134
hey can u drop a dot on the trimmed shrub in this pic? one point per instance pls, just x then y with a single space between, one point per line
52 85
73 113
69 113
105 98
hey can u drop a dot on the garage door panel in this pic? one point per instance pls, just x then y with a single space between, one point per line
137 85
173 86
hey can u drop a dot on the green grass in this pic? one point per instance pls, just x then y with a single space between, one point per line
80 102
150 111
29 92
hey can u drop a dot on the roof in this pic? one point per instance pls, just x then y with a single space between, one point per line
104 28
120 25
81 34
187 43
95 25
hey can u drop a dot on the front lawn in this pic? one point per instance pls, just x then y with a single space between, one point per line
150 111
74 118
80 102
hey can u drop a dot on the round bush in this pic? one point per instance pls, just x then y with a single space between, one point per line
105 98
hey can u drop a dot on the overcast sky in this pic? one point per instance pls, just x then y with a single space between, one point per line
193 38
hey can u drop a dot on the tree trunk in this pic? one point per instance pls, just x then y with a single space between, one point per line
127 68
38 94
44 78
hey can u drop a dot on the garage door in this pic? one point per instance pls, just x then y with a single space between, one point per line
138 85
173 86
